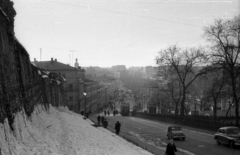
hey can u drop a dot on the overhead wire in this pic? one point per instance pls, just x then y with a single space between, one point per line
117 12
123 13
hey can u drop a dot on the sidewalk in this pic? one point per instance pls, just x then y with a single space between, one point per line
61 132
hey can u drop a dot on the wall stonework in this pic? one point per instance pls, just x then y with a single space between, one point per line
22 85
7 57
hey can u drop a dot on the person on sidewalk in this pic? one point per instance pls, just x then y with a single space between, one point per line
105 123
99 120
117 127
171 147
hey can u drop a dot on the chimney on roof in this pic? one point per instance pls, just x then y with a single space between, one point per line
51 59
35 60
79 67
56 60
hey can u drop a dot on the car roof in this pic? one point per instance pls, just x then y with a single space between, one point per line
229 127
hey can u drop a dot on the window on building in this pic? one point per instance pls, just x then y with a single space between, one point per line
70 87
70 98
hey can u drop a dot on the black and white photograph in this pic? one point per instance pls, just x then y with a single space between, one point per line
119 77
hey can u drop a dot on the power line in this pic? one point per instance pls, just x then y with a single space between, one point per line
117 12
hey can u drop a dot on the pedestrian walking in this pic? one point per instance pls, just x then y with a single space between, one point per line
108 113
99 119
171 148
117 127
113 112
105 123
105 112
102 119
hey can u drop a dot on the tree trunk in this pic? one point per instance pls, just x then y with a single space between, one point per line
215 110
237 113
236 110
182 103
227 113
176 109
235 101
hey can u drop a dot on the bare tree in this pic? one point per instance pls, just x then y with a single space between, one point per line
225 50
184 65
216 88
175 90
172 84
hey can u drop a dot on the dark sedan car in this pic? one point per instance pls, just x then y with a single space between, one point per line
175 132
228 135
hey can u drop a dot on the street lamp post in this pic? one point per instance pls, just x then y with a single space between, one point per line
98 99
85 99
85 103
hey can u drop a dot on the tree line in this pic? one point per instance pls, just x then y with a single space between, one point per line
206 73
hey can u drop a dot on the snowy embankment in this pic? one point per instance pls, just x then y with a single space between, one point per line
61 132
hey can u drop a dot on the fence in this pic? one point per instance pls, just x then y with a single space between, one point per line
204 122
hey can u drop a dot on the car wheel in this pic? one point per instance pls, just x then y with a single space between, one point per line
218 142
231 144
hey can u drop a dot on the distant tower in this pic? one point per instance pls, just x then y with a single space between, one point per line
76 64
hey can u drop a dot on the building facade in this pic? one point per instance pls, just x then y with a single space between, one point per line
95 97
74 84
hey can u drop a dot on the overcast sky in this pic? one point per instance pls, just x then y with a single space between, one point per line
114 32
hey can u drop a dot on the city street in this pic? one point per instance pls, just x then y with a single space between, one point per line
154 133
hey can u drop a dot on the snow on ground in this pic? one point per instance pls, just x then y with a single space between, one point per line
61 132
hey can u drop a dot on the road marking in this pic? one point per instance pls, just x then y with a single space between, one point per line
185 151
183 129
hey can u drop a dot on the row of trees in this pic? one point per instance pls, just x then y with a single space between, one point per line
216 66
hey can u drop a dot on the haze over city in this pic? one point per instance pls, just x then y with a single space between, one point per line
113 32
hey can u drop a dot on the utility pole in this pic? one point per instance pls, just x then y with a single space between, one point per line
105 98
72 56
40 54
98 101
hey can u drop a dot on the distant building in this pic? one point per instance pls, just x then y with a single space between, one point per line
93 72
96 96
119 68
117 75
135 71
149 72
75 78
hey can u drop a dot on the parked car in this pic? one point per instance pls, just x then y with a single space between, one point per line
229 135
175 132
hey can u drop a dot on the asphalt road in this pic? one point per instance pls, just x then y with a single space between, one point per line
197 142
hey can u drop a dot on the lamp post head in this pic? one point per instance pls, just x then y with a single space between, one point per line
84 94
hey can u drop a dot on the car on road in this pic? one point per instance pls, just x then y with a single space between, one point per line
175 132
229 135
